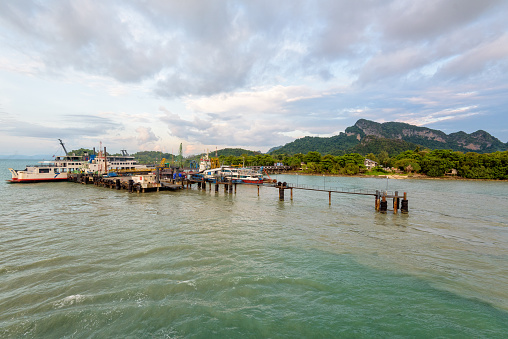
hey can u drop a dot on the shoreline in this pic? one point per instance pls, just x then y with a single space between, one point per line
393 176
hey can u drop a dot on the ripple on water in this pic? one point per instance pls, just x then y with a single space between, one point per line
112 264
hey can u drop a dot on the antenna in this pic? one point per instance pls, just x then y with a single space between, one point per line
61 143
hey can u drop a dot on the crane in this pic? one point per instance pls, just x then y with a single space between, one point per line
61 143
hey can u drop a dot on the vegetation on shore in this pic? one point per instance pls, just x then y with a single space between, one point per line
435 163
432 163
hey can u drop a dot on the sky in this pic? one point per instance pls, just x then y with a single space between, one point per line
149 75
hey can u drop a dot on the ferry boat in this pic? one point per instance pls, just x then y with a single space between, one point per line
104 164
59 168
55 170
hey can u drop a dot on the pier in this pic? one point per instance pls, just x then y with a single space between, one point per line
145 182
380 197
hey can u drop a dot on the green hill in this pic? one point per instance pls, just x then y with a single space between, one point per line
393 137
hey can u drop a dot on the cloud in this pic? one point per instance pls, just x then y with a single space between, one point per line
71 127
488 58
426 21
145 135
254 73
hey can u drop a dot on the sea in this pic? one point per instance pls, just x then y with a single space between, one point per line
79 261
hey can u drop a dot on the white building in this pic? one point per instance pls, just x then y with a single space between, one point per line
370 164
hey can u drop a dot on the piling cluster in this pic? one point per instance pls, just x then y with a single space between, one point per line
381 203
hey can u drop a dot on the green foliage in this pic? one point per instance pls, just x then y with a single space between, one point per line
336 145
81 151
392 137
152 157
433 163
312 157
384 158
236 152
375 145
377 171
351 169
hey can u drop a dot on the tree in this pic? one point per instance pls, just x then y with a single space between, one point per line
313 157
383 158
351 169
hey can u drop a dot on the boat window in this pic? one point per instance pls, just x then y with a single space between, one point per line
43 170
55 170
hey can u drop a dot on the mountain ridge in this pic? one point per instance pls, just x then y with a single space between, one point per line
366 136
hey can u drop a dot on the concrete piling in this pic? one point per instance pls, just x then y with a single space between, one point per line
404 208
383 206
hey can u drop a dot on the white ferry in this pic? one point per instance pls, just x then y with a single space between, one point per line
59 168
55 170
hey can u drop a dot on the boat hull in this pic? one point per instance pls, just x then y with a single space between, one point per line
15 180
252 181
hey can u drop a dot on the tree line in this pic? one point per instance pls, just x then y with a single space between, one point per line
433 163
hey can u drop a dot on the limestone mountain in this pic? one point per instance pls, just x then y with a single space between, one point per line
393 137
479 141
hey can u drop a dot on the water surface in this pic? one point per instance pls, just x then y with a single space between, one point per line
81 261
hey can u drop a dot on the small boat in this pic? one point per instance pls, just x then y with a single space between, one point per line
234 174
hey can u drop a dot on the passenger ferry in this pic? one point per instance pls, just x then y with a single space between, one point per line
56 170
59 168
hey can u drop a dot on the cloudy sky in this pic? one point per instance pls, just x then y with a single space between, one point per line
149 75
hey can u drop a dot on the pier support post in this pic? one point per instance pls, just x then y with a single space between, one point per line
258 190
396 203
235 187
216 187
404 205
383 206
376 203
117 182
291 193
231 186
281 193
330 198
131 183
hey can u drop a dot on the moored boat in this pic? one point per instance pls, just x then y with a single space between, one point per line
59 168
234 174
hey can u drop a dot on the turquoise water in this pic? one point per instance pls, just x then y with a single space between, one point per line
81 261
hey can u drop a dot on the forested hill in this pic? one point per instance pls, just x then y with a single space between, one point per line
393 137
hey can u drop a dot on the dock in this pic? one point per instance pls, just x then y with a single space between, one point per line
146 182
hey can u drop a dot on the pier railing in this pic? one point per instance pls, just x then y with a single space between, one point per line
332 189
